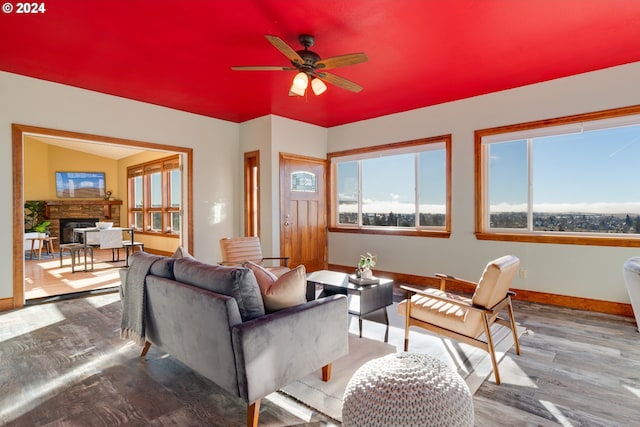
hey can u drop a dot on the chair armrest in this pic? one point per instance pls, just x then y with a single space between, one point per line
444 278
279 348
444 299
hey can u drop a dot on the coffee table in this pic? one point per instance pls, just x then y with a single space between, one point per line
365 301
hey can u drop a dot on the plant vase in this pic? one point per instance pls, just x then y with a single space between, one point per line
367 274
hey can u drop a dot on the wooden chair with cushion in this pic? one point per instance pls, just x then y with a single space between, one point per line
467 320
238 250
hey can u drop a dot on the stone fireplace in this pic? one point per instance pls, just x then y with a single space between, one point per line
84 213
66 226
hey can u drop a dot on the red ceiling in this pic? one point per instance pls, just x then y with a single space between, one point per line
421 52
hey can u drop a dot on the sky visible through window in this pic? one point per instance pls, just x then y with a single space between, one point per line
588 172
388 183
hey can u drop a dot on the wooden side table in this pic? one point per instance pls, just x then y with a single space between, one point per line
46 241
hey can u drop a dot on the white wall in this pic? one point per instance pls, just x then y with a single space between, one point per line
256 135
215 143
585 271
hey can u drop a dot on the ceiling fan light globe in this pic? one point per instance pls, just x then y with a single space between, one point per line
301 81
318 86
296 90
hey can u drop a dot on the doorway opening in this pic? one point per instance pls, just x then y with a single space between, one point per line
84 142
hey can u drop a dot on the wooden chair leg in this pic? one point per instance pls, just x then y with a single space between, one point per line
514 331
145 349
407 316
326 372
490 348
253 412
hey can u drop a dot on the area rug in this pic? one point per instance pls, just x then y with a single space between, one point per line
473 365
326 397
43 255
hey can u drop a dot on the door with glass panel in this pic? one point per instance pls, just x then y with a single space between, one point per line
303 226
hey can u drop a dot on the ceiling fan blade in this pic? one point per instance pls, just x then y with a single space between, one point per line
339 81
261 68
285 49
341 61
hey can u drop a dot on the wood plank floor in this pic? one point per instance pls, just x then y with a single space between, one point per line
45 277
63 363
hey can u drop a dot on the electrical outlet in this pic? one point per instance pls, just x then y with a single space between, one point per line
523 273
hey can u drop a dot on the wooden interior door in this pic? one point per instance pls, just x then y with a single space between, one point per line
303 217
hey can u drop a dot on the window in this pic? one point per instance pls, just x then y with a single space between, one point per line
155 195
567 180
401 188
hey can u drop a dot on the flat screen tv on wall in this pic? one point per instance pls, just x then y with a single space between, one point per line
80 184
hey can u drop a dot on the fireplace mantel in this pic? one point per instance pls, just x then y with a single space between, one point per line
80 202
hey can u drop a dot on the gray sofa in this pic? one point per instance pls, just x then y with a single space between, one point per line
212 319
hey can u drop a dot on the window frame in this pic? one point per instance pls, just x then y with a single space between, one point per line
364 153
145 170
481 186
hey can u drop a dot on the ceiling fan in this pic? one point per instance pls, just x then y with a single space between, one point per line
310 67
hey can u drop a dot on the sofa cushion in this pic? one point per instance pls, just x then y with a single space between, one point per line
237 282
285 291
163 267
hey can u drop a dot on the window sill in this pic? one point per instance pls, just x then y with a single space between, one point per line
392 232
564 240
156 234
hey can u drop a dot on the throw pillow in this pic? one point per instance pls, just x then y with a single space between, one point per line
181 253
282 292
264 277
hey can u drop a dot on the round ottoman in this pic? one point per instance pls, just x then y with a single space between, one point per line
406 389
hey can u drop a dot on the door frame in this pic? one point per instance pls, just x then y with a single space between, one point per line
17 148
251 186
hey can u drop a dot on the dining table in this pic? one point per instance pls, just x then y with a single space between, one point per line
104 238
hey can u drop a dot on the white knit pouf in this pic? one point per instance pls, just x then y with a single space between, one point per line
406 389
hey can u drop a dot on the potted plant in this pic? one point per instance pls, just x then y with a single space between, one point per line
34 220
366 263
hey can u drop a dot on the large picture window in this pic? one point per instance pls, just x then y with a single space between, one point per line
566 180
401 188
154 196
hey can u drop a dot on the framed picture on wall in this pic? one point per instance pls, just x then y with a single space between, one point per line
80 184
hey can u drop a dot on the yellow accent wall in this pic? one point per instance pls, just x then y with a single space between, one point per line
36 171
42 161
